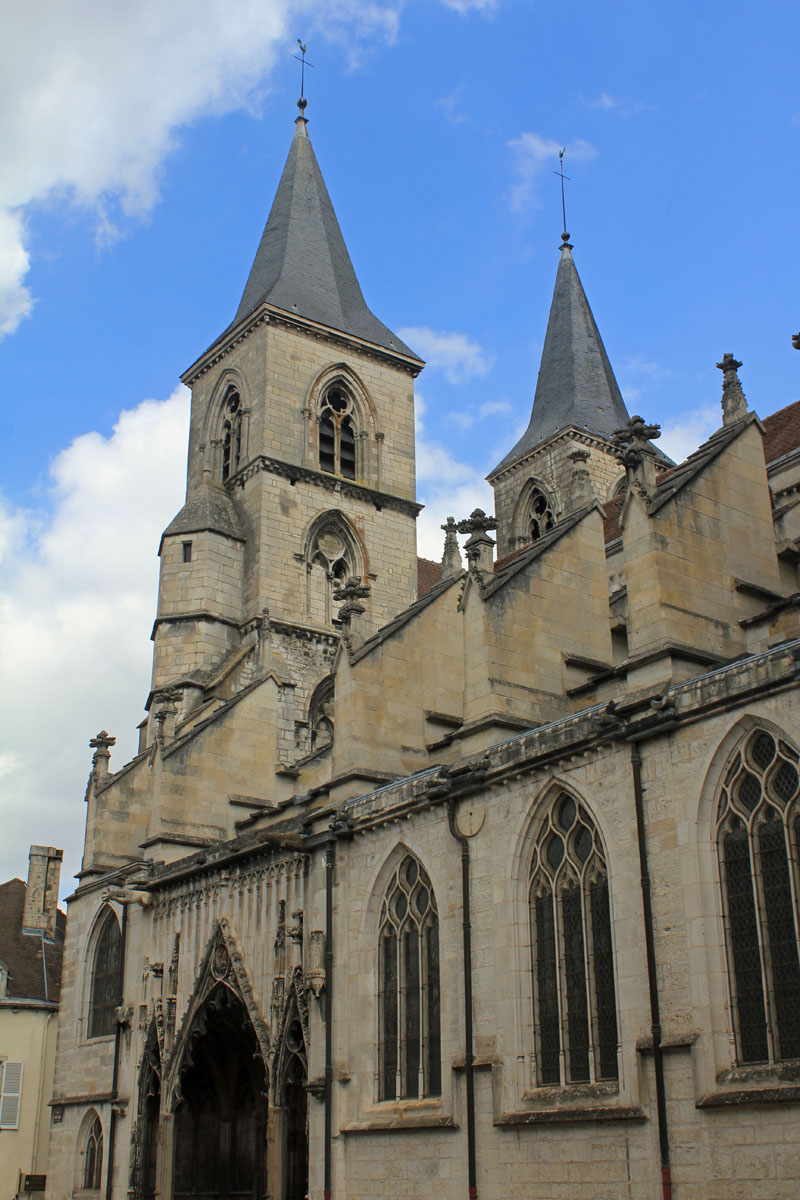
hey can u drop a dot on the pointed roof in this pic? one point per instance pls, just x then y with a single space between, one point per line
576 385
302 264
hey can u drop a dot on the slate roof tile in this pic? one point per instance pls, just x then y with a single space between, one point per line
21 953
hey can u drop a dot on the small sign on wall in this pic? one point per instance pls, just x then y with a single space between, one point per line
35 1183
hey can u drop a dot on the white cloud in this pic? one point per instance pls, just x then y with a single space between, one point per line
93 97
534 154
77 602
494 408
447 488
451 106
623 106
455 354
681 436
465 6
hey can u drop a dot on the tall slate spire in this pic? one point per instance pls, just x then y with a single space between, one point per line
576 385
302 264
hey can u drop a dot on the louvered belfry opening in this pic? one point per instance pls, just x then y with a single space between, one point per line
758 832
220 1124
337 438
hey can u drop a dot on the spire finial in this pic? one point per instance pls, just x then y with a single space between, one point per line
301 58
565 242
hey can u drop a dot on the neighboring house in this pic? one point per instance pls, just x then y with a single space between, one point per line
31 948
432 881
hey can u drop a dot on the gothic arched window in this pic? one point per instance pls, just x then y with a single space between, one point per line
408 971
575 1013
106 978
93 1156
542 518
758 832
337 433
231 433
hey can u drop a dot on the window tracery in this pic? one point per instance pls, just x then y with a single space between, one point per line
575 1014
105 986
409 1001
542 518
337 432
232 416
758 831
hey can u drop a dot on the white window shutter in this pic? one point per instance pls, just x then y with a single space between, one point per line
10 1095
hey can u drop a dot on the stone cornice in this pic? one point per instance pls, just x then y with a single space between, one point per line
330 483
267 314
571 433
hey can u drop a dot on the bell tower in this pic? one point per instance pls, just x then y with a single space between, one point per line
301 459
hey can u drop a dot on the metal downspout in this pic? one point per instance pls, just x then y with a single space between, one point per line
468 1054
112 1120
652 977
330 856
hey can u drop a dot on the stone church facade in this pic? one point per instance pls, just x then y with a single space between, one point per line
432 879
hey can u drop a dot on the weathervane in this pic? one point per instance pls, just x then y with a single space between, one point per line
562 177
301 58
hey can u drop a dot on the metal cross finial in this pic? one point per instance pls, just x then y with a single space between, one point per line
301 58
562 177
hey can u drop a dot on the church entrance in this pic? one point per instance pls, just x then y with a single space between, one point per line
220 1123
294 1099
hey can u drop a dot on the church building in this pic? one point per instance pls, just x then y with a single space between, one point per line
444 880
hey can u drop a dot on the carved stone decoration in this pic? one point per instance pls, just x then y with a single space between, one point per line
734 404
220 961
451 558
173 965
292 1033
479 545
633 451
101 744
315 975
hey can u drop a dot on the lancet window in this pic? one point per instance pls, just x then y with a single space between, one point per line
408 970
337 433
231 433
106 971
575 1016
93 1156
758 833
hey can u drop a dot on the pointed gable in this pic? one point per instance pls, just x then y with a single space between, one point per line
302 264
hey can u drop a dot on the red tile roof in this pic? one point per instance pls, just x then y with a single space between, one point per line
428 574
21 953
781 432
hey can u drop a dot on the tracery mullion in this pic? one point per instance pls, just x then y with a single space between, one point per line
588 972
760 906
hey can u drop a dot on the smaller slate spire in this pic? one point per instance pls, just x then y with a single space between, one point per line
576 385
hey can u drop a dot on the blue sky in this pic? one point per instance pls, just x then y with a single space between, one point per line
139 152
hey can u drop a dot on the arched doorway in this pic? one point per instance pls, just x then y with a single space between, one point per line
220 1121
294 1101
149 1118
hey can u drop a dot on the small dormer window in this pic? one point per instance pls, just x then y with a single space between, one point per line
231 434
337 437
